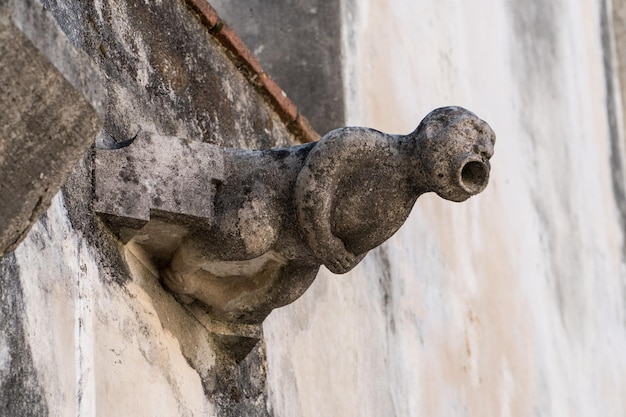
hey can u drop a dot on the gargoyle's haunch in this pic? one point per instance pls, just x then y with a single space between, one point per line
281 213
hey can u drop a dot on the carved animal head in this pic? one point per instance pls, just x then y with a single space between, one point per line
454 148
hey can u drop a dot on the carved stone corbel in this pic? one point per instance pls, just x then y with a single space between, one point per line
237 233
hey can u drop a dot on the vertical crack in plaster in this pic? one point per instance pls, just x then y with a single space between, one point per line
84 351
386 286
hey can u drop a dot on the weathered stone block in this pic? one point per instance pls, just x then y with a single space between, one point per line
45 126
155 174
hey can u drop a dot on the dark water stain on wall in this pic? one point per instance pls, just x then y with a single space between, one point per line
612 94
617 156
21 393
385 281
536 58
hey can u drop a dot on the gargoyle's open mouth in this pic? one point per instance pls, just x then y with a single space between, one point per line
474 175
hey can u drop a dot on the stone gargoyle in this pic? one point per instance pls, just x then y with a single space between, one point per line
284 212
275 216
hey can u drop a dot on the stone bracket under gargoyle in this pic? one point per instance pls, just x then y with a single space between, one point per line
156 177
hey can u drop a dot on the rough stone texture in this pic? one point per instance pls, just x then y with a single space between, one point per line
156 174
250 66
613 21
45 126
160 68
299 44
513 303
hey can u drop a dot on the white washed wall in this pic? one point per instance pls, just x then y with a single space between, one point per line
510 304
100 348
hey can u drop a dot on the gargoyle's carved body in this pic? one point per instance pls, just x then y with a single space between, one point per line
281 213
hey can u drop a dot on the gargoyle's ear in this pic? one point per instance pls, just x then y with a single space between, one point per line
485 129
439 119
428 128
433 128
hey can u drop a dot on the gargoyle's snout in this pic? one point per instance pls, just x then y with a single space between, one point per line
473 175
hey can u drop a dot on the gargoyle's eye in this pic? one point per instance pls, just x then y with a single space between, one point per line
485 152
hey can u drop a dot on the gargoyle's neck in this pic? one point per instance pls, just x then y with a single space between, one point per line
410 163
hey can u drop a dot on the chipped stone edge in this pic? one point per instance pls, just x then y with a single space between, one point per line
249 65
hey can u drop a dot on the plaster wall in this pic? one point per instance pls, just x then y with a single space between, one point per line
85 360
512 303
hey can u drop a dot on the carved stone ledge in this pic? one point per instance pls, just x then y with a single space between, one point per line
154 176
237 233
